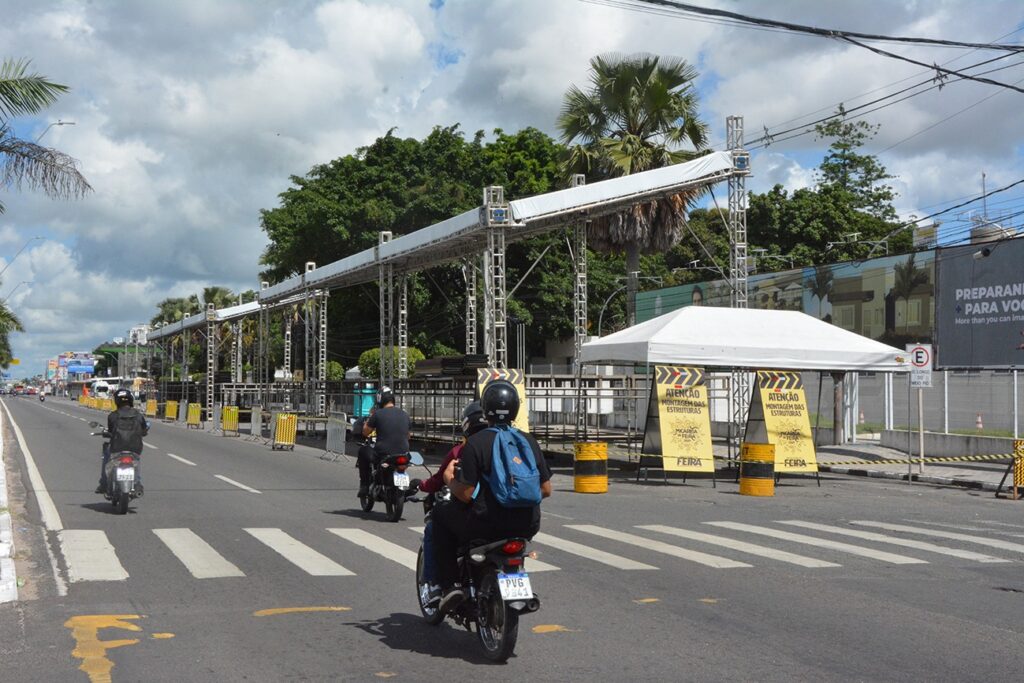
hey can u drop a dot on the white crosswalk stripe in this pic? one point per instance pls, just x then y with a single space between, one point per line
820 542
376 544
659 547
906 543
534 565
742 546
90 556
198 556
299 554
980 540
589 553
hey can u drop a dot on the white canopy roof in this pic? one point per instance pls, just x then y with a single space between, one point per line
745 338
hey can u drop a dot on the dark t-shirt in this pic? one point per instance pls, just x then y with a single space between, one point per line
127 426
392 425
475 465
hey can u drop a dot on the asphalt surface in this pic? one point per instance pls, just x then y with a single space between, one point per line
820 612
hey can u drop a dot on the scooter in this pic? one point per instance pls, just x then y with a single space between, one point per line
122 475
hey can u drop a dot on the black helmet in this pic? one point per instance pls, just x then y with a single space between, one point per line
123 397
473 418
500 402
385 396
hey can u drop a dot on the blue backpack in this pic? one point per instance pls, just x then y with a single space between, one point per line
514 478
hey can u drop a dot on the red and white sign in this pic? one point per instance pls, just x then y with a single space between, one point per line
921 359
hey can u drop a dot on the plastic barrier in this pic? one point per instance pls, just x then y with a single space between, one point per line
590 467
171 411
151 408
195 416
757 469
229 420
285 429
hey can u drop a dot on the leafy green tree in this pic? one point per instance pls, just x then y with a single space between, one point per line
638 114
860 177
335 371
369 361
23 162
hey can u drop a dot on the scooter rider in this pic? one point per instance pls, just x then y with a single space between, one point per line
126 427
393 428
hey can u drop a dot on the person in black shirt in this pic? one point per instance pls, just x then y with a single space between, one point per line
393 430
126 427
483 517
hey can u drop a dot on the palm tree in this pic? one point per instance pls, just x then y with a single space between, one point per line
8 323
820 285
637 115
908 278
220 297
23 162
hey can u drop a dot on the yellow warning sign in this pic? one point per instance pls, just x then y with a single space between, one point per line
778 414
518 380
684 419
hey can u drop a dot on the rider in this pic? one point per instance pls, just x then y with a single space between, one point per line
393 431
473 421
483 517
126 427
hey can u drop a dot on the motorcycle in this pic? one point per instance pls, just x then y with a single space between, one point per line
42 399
122 475
390 484
497 586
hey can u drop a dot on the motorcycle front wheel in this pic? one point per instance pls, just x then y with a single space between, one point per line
366 502
394 501
431 614
497 626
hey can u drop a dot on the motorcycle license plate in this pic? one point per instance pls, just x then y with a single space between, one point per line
515 586
125 474
401 480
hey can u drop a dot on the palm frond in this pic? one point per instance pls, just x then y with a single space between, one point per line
22 93
26 163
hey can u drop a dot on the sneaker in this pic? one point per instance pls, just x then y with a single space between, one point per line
452 599
433 595
99 489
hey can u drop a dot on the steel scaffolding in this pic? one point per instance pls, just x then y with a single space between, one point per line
469 274
739 385
403 326
496 217
387 328
211 355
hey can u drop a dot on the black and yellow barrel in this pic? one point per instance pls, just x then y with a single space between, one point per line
590 467
757 469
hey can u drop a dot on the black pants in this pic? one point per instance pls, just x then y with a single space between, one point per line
455 525
367 457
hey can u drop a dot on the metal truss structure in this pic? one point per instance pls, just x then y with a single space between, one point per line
740 384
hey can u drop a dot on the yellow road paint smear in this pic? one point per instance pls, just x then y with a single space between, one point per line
551 628
162 636
709 601
291 610
93 651
385 674
646 601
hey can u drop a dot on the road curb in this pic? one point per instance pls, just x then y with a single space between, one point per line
8 576
902 476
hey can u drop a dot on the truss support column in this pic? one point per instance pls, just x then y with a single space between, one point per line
496 217
185 353
211 357
321 355
286 320
385 279
739 385
262 351
579 246
469 275
403 326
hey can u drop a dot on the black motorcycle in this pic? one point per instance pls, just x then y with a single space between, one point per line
122 471
390 484
498 590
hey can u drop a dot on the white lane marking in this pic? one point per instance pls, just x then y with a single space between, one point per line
742 546
391 551
659 547
906 543
533 566
299 554
83 419
90 556
991 542
198 556
148 445
589 553
235 483
181 459
820 543
51 518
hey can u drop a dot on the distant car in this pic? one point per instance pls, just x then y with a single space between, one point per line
32 391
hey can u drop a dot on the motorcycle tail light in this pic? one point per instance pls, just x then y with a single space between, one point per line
401 461
513 547
127 460
514 562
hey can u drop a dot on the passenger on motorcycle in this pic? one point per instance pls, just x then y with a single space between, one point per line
472 422
126 426
393 431
482 517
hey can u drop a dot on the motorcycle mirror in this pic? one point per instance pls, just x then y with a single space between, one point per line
415 458
94 424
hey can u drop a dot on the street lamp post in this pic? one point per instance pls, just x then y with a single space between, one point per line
11 293
600 317
58 122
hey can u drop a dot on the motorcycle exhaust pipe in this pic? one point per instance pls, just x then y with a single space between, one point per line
533 604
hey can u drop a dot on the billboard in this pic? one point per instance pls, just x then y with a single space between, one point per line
80 363
51 369
980 306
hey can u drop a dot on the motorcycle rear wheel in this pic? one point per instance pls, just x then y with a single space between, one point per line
432 615
122 503
394 501
366 502
497 626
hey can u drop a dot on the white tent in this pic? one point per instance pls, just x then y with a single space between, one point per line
744 338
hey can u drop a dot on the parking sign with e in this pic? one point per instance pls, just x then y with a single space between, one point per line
921 365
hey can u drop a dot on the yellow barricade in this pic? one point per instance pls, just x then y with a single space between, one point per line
284 431
229 420
171 411
590 467
82 399
151 408
194 415
757 469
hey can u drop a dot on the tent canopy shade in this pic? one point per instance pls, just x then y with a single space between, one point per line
744 338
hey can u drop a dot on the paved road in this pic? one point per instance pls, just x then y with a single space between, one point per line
856 580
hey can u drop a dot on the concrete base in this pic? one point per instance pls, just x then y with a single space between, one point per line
947 445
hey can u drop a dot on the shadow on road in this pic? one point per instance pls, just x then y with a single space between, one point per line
408 632
106 507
